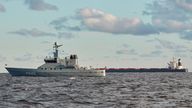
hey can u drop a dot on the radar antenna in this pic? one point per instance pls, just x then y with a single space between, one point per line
56 49
56 46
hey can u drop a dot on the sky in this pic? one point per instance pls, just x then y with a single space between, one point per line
112 33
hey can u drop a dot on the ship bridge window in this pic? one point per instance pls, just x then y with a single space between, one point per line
54 68
60 68
45 68
50 68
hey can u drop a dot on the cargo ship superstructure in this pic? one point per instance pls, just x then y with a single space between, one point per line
55 66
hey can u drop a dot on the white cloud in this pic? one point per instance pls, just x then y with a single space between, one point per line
40 5
97 20
167 16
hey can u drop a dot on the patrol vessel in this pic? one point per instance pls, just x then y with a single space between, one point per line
55 66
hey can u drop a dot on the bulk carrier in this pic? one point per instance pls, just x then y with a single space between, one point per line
173 66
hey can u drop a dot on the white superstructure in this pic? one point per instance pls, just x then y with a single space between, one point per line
67 66
175 64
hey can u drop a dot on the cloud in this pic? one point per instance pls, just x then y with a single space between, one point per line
171 26
127 52
63 23
33 33
40 5
158 47
156 53
170 45
2 8
126 45
38 33
187 35
45 42
97 20
66 35
59 23
184 4
170 16
173 47
167 16
166 9
25 57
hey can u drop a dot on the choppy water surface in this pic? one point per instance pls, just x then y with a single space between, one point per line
117 90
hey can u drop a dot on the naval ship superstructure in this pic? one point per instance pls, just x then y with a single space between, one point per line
55 66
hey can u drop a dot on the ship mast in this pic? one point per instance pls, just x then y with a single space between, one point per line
55 47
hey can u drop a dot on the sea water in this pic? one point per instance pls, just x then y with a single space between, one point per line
116 90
